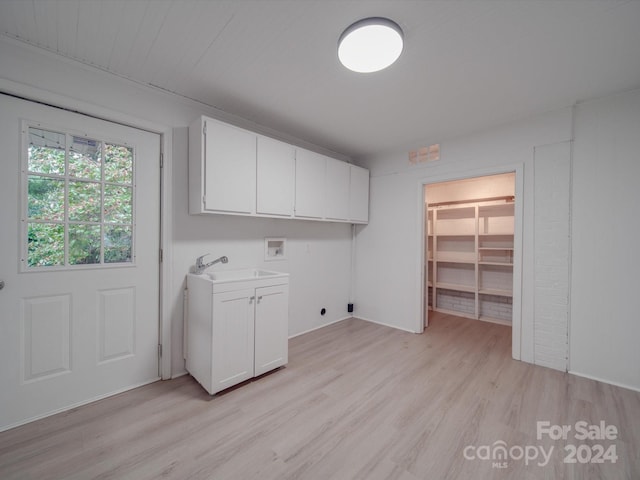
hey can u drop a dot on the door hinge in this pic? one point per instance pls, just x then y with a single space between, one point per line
204 128
161 255
159 350
161 160
204 200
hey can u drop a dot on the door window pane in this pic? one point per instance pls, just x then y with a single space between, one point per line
79 208
84 244
85 158
117 244
118 204
46 151
84 201
46 198
118 164
43 244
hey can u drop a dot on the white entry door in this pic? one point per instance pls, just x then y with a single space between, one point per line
79 258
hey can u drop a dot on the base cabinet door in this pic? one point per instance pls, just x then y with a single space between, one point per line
271 328
232 337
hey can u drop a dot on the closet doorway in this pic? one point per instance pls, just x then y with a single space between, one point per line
471 251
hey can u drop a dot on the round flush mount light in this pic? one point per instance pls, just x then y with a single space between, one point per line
370 45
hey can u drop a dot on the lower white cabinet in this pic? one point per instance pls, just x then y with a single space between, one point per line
236 330
271 328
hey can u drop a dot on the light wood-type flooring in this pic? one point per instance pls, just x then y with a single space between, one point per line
357 401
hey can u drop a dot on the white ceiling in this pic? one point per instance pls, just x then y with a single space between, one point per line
467 64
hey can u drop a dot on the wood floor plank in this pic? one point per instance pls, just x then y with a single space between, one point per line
356 401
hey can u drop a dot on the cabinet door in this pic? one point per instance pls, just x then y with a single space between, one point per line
275 177
337 190
230 168
359 195
310 172
271 328
232 338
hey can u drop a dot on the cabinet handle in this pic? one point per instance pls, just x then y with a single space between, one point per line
251 299
259 298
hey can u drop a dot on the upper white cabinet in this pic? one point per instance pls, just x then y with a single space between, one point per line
224 159
310 181
358 194
337 189
275 177
237 172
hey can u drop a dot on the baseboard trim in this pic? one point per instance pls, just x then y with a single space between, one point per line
609 382
385 324
321 326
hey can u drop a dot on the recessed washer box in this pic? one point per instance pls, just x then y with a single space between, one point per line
275 249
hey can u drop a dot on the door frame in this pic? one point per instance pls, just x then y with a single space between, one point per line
63 102
518 169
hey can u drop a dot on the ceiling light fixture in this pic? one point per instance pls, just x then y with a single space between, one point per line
370 45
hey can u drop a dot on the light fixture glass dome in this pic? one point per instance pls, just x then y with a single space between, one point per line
370 45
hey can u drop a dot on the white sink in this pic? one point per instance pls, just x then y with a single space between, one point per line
240 275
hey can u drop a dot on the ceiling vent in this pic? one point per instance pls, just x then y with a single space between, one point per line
425 154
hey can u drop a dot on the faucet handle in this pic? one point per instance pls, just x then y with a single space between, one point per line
200 266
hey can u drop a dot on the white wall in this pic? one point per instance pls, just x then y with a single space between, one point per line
319 254
605 311
388 267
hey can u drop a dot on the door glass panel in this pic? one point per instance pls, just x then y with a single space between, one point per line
84 201
118 164
43 244
117 244
46 151
118 203
85 158
84 244
46 198
79 207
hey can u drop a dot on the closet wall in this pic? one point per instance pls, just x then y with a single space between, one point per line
470 245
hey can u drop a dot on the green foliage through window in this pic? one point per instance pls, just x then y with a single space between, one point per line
79 200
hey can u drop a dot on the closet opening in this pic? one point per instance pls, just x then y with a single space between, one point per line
470 246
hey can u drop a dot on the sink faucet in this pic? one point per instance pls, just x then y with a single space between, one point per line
201 267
